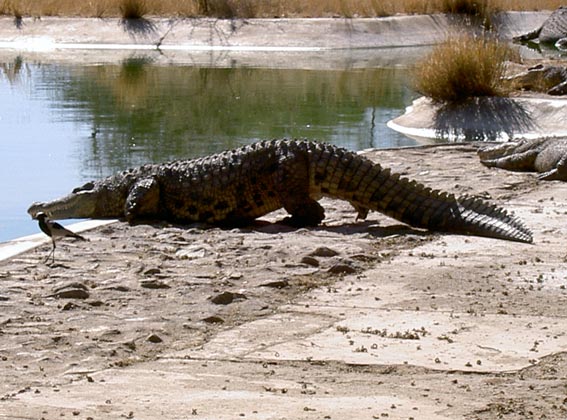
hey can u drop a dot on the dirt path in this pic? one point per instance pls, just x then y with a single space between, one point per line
350 320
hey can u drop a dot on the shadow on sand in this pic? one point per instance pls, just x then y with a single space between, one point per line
482 119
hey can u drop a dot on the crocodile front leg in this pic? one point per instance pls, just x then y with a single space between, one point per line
143 200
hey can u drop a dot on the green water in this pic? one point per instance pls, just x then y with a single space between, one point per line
65 124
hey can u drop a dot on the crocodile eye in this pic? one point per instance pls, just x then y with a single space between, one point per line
87 187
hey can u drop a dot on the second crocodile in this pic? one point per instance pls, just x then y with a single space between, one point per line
236 187
553 30
547 156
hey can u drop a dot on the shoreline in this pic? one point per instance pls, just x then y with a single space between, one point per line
282 34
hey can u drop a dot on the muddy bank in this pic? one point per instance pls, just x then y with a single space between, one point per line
349 320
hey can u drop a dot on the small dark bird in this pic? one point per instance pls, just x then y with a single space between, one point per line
54 230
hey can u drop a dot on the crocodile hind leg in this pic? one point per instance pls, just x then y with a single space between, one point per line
523 161
292 180
305 212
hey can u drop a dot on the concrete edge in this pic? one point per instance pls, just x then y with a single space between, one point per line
197 34
550 114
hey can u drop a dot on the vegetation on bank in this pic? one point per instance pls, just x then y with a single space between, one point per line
463 67
263 8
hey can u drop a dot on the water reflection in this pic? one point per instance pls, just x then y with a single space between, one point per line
105 118
142 113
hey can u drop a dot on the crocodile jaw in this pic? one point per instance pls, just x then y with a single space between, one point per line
77 205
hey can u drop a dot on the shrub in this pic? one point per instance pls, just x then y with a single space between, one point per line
133 9
463 67
476 11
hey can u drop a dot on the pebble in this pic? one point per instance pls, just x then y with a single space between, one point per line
226 298
213 320
152 271
323 251
278 284
69 306
342 269
71 293
313 262
154 284
154 338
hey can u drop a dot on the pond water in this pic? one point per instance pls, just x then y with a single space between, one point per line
64 124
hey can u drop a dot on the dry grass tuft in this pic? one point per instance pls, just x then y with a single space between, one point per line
476 10
133 9
264 8
463 67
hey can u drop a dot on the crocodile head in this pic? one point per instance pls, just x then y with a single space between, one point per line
92 200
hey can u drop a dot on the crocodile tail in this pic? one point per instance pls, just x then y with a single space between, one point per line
369 186
485 219
420 206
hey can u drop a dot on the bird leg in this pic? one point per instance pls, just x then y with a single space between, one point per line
51 254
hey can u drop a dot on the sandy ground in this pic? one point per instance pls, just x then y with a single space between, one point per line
365 320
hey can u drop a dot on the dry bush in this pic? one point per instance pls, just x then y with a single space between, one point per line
133 9
463 67
264 8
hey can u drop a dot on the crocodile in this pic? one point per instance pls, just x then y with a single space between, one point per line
542 78
235 187
547 156
552 31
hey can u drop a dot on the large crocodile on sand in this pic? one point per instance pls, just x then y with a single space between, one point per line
552 31
547 156
236 187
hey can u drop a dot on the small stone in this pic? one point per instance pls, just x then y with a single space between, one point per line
213 320
278 284
118 288
226 298
130 345
313 262
342 269
152 271
69 306
154 284
154 338
71 294
323 251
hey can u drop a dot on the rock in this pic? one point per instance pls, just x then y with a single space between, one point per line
213 320
69 306
323 251
154 284
279 284
74 290
342 269
118 288
152 271
226 298
131 345
191 253
154 338
313 262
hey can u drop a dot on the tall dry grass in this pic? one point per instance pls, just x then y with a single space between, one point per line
266 8
463 67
